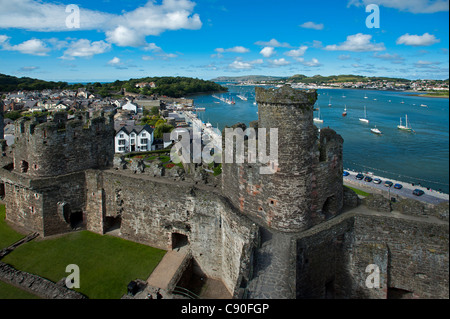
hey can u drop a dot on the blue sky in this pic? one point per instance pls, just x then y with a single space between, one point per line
209 38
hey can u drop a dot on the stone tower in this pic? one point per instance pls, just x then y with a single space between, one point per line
307 187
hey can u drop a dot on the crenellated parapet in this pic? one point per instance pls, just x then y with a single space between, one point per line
60 145
305 187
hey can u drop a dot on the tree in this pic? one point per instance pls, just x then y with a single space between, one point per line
161 129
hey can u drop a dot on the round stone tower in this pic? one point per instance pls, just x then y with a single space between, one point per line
305 186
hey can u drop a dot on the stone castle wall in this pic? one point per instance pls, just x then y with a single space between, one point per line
151 210
306 187
60 146
412 257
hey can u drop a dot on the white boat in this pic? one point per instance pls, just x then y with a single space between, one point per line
242 97
329 103
423 105
365 96
365 120
402 102
375 130
345 111
405 127
318 119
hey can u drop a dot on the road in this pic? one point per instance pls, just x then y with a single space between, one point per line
430 196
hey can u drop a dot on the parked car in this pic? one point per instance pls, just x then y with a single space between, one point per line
368 179
346 173
359 176
388 183
398 186
418 192
377 181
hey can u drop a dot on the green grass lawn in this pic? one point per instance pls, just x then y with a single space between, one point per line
107 264
11 292
7 235
358 191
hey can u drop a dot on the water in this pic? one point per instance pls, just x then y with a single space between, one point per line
419 157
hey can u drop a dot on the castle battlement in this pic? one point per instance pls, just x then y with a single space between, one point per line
60 145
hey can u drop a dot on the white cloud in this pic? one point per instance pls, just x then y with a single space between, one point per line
33 46
236 49
114 61
127 29
297 53
28 68
418 40
313 63
267 52
413 6
85 49
427 64
238 64
279 62
357 43
344 57
394 58
312 25
273 43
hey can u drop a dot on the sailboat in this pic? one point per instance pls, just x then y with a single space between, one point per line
365 120
402 102
375 130
318 119
365 96
345 111
329 103
405 127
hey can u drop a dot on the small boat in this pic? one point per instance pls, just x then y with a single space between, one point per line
423 105
329 103
365 96
345 111
402 102
375 130
318 119
365 120
405 127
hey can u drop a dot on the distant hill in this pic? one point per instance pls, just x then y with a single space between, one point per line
254 78
168 86
340 78
10 83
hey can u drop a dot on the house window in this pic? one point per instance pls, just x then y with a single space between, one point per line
121 135
144 134
143 148
132 142
144 140
122 142
121 149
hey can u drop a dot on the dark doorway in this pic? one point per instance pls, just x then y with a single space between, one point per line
2 190
76 220
112 223
328 206
133 148
24 166
179 240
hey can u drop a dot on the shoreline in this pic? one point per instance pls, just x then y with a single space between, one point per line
432 96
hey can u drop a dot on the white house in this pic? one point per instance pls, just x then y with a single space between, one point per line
134 138
130 107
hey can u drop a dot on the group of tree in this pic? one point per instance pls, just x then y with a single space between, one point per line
11 83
